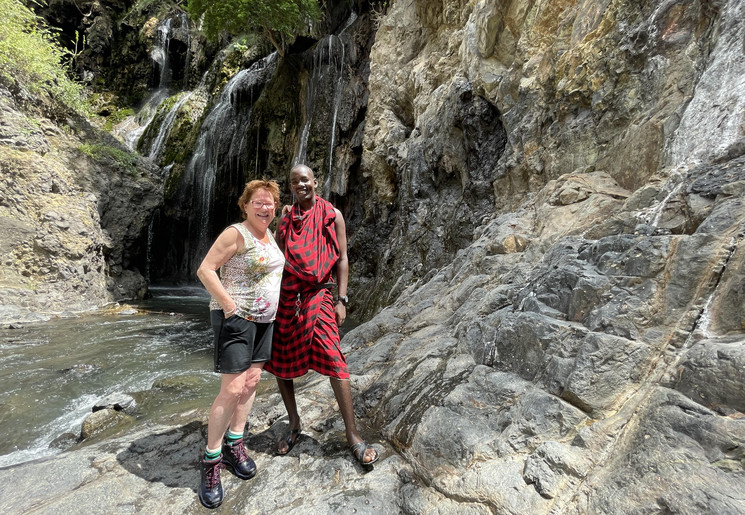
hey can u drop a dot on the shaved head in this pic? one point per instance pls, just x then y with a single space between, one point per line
303 169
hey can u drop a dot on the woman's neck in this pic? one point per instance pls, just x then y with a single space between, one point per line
258 234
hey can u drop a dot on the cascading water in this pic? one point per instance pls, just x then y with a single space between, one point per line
187 38
326 74
156 147
131 129
159 54
310 100
228 149
222 143
653 214
338 90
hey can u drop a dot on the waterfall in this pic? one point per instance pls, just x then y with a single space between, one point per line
327 66
256 159
156 147
338 88
150 232
309 104
222 143
159 53
131 129
187 34
338 91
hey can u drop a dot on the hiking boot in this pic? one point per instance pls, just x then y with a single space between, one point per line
235 456
210 491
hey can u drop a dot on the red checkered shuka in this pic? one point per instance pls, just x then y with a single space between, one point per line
306 335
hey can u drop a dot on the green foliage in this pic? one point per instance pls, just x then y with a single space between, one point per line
103 153
140 6
279 20
31 58
116 117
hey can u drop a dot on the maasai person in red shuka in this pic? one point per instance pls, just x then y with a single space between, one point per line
313 237
307 329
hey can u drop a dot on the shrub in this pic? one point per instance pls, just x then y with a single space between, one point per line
103 153
30 57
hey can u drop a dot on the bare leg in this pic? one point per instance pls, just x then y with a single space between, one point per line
287 391
231 386
343 394
246 401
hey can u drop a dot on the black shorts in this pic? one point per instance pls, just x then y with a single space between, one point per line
239 342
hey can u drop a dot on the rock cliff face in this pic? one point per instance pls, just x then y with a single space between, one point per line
74 212
573 86
580 355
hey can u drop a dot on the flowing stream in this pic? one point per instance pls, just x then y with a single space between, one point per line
52 373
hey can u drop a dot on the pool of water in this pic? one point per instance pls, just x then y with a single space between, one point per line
52 373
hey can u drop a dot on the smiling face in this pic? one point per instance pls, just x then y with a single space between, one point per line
303 185
260 210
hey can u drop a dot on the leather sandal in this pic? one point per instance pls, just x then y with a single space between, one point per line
359 449
290 439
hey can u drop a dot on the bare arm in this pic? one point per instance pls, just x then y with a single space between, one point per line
342 266
277 237
225 246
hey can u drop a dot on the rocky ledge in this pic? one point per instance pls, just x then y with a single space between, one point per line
153 467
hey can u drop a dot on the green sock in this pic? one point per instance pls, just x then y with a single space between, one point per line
210 455
233 437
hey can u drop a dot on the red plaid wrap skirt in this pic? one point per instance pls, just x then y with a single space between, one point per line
305 332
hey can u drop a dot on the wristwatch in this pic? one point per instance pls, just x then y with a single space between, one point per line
343 299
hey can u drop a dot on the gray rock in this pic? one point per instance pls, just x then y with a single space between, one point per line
116 401
712 373
102 420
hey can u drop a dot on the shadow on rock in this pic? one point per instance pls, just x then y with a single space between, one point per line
320 441
171 457
267 441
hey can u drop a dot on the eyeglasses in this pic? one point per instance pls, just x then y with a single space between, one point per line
259 204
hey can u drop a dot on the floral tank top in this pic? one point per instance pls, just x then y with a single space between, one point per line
252 277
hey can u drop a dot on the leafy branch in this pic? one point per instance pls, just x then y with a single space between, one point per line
277 20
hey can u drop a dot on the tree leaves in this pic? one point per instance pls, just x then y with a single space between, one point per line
278 20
